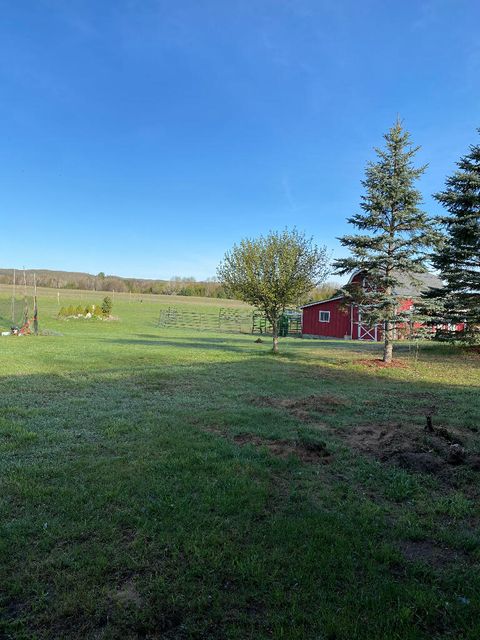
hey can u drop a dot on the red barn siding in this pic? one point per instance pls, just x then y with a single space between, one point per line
339 325
405 305
346 321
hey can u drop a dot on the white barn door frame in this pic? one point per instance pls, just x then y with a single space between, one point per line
365 331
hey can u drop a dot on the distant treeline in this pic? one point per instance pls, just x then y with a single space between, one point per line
177 285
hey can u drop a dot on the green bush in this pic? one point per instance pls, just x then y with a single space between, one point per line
107 306
96 310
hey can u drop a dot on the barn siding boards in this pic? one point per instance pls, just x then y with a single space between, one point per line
346 321
337 327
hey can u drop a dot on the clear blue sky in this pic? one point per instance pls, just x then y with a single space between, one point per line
145 137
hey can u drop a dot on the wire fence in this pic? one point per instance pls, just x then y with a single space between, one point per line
12 311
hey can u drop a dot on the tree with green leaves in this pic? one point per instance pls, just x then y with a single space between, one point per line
394 236
458 257
274 272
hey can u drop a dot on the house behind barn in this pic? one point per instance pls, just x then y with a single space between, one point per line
335 318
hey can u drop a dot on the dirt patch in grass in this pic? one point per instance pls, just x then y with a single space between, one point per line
127 595
305 451
218 431
474 349
413 449
430 553
378 363
303 408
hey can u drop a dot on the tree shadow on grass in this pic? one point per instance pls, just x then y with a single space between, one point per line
205 344
356 346
315 352
298 341
245 344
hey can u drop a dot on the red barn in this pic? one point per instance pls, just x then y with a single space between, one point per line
334 318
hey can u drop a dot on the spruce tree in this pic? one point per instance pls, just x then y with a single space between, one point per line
458 258
394 234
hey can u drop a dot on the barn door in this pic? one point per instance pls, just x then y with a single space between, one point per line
365 331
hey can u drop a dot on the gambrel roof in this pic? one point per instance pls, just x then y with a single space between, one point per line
406 289
426 280
422 282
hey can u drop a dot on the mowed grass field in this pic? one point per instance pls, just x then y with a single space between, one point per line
165 483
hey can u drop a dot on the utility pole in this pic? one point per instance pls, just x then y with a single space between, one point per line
35 306
13 297
25 310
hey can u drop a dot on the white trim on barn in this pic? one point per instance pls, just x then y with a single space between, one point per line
311 304
366 331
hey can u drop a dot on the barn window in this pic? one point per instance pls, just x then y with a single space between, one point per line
324 316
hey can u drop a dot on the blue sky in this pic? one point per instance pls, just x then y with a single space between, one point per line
145 137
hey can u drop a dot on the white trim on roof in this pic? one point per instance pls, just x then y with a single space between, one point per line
311 304
356 273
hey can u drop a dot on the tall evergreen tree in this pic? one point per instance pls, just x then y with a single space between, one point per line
395 234
458 258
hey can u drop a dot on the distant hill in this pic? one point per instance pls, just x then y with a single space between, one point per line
103 282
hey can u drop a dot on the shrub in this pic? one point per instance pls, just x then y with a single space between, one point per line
106 306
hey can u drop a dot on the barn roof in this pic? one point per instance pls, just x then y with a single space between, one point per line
426 281
423 282
311 304
405 287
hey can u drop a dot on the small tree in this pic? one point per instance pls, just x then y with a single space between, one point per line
106 306
458 258
274 272
395 236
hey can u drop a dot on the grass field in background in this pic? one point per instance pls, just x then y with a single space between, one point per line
163 483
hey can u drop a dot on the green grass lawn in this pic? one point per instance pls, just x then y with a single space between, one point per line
161 483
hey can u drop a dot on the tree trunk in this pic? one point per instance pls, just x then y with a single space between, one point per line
275 337
389 326
388 344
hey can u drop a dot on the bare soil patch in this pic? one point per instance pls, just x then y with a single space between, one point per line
303 408
378 363
413 449
430 553
305 451
127 594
